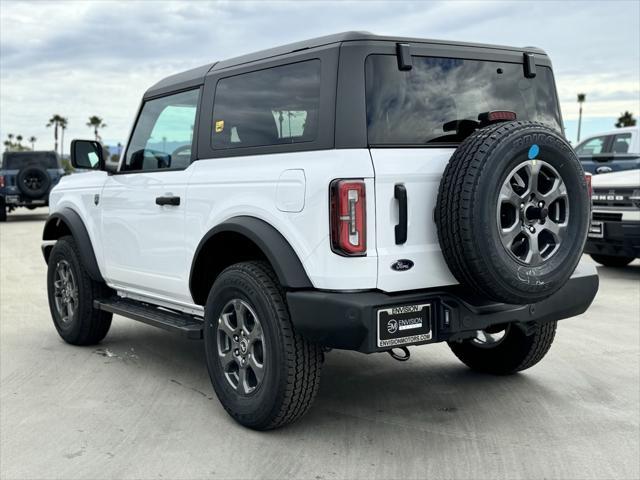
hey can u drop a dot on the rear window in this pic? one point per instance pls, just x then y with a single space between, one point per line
17 160
440 99
621 143
274 106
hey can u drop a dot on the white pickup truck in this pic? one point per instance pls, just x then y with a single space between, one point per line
614 236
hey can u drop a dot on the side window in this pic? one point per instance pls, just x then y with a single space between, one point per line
593 146
274 106
621 143
163 135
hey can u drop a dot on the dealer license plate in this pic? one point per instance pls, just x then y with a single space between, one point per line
404 324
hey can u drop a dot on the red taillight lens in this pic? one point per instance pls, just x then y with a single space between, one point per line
348 217
1 181
587 177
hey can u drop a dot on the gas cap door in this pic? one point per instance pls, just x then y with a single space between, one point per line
290 191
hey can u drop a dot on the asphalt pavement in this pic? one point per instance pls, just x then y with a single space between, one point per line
140 405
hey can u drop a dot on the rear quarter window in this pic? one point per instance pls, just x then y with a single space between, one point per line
274 106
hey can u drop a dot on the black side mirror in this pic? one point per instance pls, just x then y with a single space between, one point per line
87 154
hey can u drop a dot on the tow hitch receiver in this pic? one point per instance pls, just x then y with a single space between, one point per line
406 354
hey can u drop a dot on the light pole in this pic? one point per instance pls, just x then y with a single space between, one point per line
581 98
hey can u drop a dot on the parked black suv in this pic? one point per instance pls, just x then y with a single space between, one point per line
26 178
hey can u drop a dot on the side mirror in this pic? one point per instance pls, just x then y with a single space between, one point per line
87 154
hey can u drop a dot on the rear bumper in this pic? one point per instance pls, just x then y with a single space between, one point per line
18 200
349 320
620 239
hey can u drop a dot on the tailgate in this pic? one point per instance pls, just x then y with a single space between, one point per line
419 170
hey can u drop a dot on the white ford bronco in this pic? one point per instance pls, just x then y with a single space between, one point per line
353 191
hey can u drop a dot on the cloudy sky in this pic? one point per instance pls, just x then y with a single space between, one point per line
97 57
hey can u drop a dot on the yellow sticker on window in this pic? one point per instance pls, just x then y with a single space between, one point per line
219 126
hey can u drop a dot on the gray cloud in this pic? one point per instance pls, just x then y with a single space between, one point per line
85 58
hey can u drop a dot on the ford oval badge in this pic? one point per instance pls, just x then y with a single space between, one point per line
402 265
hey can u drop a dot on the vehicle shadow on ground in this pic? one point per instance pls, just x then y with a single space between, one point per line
34 217
630 272
420 394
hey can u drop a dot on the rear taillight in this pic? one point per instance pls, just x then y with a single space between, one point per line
348 217
587 177
1 181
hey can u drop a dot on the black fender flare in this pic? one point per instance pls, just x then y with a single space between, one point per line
76 227
271 242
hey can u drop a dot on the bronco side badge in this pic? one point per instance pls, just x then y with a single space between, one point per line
402 265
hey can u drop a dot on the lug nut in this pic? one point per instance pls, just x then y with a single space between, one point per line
236 352
532 230
540 204
235 337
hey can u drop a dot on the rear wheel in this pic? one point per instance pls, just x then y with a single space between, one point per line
71 294
611 261
505 351
263 372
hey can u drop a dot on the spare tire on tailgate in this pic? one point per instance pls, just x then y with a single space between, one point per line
513 212
33 181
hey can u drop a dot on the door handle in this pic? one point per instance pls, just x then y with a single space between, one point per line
168 200
400 194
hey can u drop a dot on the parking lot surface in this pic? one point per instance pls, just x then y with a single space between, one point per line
140 404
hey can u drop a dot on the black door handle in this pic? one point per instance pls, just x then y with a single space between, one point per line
174 201
400 194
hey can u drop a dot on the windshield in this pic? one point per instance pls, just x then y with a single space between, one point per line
440 100
17 160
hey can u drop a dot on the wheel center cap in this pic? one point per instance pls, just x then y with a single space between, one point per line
244 346
536 213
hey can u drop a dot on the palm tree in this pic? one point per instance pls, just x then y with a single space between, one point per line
32 141
626 120
18 140
581 98
55 122
96 123
7 145
63 127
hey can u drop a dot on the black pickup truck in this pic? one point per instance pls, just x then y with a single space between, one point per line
26 178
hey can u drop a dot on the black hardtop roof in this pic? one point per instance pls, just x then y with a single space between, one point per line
195 76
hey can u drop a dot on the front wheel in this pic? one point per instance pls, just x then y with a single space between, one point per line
263 372
611 261
506 350
71 294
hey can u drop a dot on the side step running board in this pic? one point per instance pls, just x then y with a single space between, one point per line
182 323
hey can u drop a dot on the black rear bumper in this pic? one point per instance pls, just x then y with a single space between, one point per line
619 239
349 320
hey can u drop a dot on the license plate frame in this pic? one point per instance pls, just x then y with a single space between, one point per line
596 230
404 324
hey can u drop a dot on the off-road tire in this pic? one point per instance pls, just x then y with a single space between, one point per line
466 219
89 325
611 261
515 353
31 170
3 210
292 364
